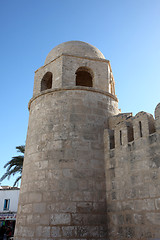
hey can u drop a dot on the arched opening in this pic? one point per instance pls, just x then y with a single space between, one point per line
46 82
83 77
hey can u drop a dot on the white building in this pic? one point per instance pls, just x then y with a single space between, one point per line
8 206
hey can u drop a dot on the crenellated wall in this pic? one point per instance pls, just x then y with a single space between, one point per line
132 158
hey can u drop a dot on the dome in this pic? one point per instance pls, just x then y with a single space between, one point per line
74 48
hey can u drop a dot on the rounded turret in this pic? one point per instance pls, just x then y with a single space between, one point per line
63 192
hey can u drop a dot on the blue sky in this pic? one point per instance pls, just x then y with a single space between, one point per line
127 32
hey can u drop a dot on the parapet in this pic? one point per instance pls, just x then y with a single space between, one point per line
125 128
157 117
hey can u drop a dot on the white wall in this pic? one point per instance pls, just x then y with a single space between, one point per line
13 195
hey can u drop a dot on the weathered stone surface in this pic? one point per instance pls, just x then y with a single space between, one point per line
63 192
132 176
76 184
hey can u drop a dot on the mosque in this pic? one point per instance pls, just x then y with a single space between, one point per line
90 171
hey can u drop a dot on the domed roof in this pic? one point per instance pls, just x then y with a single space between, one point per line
75 48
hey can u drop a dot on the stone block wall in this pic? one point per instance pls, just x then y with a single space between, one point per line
99 68
79 181
63 70
132 157
63 181
55 68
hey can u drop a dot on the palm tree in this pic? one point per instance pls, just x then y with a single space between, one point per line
14 166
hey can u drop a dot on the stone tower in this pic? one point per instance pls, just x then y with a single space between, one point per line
63 192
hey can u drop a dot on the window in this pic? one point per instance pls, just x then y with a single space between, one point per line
6 204
46 82
83 77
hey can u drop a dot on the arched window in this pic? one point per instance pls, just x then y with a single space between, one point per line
46 82
84 77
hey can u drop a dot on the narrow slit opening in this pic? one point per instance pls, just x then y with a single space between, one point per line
120 133
140 128
130 133
111 138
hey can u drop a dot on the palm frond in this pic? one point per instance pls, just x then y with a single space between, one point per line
17 180
15 161
21 148
15 165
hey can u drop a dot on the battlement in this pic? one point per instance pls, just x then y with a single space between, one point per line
132 168
125 128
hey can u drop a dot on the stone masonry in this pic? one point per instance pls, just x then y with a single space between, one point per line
63 192
132 157
90 172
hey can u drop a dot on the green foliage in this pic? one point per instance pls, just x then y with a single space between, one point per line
14 166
